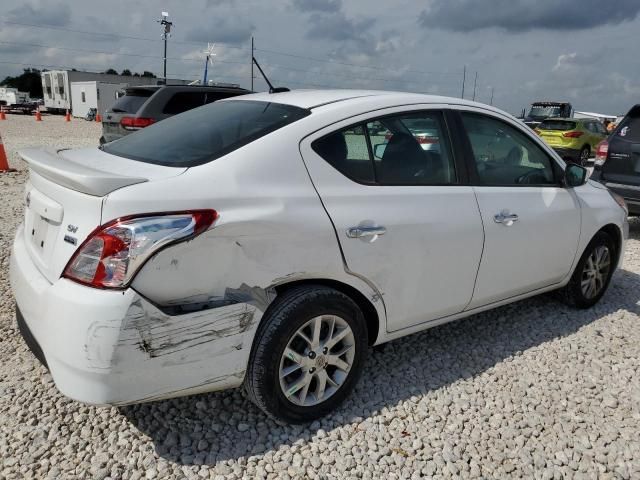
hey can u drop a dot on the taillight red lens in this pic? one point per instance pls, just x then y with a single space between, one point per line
573 134
427 140
112 255
601 152
136 123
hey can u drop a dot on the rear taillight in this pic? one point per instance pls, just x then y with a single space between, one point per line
572 134
427 140
601 152
112 255
135 123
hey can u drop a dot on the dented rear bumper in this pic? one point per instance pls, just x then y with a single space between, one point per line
115 347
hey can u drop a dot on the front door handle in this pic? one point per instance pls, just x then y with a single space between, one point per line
505 218
360 232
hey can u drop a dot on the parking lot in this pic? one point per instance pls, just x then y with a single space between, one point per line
531 390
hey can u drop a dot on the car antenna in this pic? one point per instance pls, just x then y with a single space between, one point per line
272 89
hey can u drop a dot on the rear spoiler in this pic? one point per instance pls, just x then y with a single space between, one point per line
74 175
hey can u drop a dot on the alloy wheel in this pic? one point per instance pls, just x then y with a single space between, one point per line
317 360
595 272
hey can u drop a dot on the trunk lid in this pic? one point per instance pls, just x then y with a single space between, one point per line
64 198
552 132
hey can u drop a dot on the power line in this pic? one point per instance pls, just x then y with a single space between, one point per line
102 34
275 52
36 45
372 67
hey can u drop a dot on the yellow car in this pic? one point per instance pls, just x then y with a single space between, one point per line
575 139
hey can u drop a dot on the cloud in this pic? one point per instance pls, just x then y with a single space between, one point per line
336 26
43 13
570 61
317 5
522 15
230 29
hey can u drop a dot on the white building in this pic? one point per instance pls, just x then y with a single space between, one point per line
94 94
56 85
12 96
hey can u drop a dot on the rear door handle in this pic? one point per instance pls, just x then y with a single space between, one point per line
505 218
360 232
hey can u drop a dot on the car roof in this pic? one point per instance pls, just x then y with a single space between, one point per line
198 88
311 99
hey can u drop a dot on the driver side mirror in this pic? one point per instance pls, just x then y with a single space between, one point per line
575 175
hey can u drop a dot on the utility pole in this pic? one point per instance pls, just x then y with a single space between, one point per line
252 55
491 102
464 79
475 82
167 32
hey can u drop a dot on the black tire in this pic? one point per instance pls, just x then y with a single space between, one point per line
572 294
583 157
290 312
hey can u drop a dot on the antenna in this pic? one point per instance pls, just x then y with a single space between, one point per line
209 53
272 89
165 34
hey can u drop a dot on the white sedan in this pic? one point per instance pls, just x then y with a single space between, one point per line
261 241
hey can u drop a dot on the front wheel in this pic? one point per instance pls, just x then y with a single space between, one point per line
593 273
307 354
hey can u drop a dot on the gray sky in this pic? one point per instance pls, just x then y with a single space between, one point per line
525 50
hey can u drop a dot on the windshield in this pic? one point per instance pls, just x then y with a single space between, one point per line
540 111
205 133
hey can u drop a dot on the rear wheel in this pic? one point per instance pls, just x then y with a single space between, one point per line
307 355
584 155
593 273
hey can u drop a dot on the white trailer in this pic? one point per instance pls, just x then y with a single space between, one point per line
56 85
94 94
12 96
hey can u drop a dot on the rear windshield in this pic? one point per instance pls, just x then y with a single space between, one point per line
205 133
557 125
132 101
629 128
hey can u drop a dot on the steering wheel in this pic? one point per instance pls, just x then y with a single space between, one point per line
533 177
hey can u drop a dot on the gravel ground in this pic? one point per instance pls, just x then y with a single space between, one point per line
533 390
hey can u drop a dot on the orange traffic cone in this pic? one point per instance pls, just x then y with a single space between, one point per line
67 116
38 116
4 164
2 115
98 117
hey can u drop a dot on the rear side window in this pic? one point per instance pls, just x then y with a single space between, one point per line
561 125
183 101
131 101
347 152
406 149
629 128
204 134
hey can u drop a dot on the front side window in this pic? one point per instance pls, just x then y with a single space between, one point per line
505 156
407 149
204 134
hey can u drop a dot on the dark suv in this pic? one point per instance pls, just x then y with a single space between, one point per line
143 105
617 162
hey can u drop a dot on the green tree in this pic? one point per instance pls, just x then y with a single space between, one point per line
126 72
111 71
29 81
